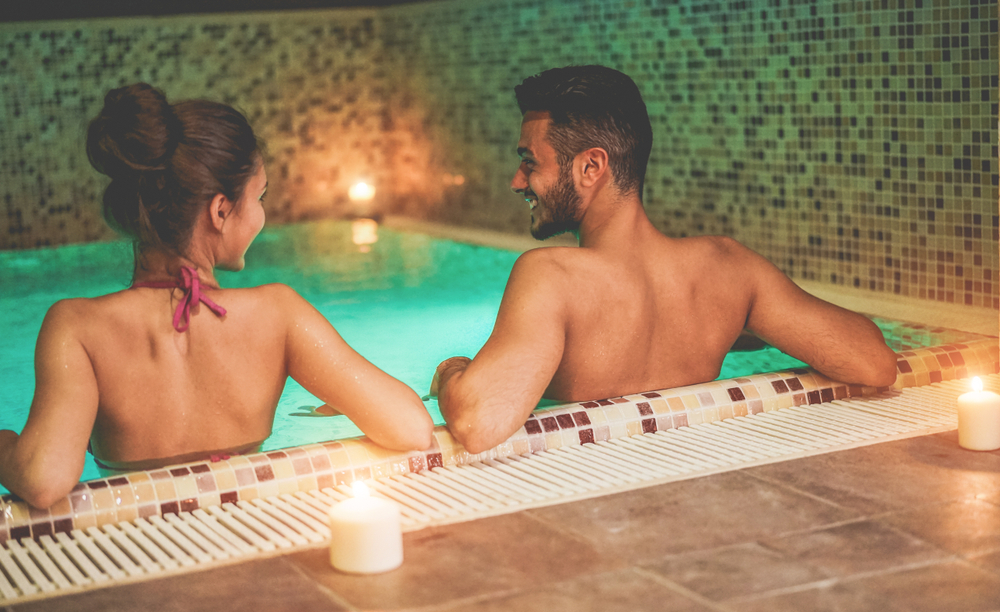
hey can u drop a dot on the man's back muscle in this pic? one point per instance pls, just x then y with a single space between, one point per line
649 315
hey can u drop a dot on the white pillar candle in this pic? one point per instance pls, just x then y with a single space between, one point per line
979 418
365 534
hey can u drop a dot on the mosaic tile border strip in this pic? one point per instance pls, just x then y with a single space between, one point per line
316 466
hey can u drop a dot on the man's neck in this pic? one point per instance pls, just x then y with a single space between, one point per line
610 220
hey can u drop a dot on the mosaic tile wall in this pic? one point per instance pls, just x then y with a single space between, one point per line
852 143
316 86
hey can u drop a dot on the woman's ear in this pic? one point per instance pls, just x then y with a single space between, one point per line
219 210
591 166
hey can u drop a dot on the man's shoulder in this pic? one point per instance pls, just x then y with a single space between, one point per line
720 245
542 260
716 251
546 269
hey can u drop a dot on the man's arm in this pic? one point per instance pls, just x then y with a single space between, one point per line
44 463
841 344
485 400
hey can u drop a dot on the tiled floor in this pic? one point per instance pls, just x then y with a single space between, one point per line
905 525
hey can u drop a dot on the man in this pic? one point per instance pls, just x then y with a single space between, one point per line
631 310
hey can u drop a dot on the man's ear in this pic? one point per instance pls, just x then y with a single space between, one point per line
219 210
591 166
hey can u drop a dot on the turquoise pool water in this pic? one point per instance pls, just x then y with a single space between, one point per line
405 302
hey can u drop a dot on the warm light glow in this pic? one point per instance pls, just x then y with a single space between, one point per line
364 232
360 489
361 192
459 179
977 385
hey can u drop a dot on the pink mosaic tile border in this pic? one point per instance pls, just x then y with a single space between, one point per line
203 483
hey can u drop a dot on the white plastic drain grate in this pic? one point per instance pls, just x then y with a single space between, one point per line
205 538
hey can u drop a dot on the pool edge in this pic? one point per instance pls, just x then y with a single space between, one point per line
203 484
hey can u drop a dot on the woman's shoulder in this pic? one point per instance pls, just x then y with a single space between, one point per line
68 318
274 299
268 292
69 308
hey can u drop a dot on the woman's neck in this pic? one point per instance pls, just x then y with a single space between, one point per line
155 265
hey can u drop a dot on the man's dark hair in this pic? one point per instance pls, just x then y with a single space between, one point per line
593 106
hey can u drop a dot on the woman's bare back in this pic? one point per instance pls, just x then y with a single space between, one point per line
113 371
165 394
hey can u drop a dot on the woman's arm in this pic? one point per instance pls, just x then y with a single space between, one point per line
44 463
386 410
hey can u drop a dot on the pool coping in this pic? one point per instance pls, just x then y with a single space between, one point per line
202 484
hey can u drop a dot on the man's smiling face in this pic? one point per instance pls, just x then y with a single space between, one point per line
546 185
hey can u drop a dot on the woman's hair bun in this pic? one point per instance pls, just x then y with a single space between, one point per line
166 162
136 131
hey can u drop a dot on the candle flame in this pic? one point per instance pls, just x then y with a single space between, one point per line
360 489
977 385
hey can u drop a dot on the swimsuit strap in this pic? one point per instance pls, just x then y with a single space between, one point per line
191 286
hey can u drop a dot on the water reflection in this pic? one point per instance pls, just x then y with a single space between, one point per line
364 233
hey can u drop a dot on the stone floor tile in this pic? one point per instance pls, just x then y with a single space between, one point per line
649 524
966 527
937 588
620 591
270 585
854 548
943 450
891 476
723 573
493 555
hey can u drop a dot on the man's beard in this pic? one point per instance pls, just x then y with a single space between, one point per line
561 204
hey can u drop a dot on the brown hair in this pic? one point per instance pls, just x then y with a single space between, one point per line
167 161
593 106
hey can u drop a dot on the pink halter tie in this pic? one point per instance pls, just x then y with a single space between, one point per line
191 286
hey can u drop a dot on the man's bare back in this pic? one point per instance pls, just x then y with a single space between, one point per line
631 310
662 313
659 313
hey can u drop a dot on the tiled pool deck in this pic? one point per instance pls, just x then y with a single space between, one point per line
202 484
906 525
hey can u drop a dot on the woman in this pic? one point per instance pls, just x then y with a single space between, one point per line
175 368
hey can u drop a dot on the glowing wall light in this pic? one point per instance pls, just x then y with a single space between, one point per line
361 192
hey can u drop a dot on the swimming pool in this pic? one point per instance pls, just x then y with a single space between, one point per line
405 301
